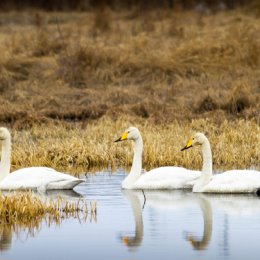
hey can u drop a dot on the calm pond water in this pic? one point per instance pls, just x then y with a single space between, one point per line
172 225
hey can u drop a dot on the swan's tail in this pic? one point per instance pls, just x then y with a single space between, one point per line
64 185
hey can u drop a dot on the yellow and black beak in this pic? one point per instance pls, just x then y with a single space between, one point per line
188 145
123 137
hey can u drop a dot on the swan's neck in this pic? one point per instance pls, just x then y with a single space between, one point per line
5 163
207 159
136 166
206 173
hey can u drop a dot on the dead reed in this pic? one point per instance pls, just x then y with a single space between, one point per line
24 213
77 148
29 209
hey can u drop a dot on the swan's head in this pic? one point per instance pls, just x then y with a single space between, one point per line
197 139
4 134
132 133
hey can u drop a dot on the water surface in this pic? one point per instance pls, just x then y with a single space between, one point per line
171 225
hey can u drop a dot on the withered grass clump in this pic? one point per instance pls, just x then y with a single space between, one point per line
240 98
84 66
77 148
206 104
27 208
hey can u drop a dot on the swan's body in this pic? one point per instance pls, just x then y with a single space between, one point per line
168 177
159 178
38 178
234 181
41 178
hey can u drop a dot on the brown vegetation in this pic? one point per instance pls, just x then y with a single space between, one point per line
25 211
166 71
27 207
121 4
160 65
77 148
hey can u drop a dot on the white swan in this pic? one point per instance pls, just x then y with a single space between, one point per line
159 178
234 181
40 178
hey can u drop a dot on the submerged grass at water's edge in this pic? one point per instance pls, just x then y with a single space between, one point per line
27 210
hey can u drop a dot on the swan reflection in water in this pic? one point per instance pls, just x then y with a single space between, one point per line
24 231
133 197
197 243
177 200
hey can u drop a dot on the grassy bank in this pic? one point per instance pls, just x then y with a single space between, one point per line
156 65
78 148
71 82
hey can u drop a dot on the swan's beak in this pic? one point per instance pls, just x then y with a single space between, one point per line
188 145
122 138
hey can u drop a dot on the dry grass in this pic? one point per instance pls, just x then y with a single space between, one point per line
29 209
165 71
24 213
77 148
151 66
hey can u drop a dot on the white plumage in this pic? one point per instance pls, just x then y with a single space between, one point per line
233 181
160 178
40 178
167 178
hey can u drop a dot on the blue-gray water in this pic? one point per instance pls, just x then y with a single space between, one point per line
172 225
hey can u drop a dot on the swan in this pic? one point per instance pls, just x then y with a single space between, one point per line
34 178
160 178
233 181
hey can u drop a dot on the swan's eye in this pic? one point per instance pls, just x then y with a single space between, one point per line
128 132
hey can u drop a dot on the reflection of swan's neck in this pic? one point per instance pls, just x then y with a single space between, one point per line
137 164
5 163
206 168
207 217
137 212
138 224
